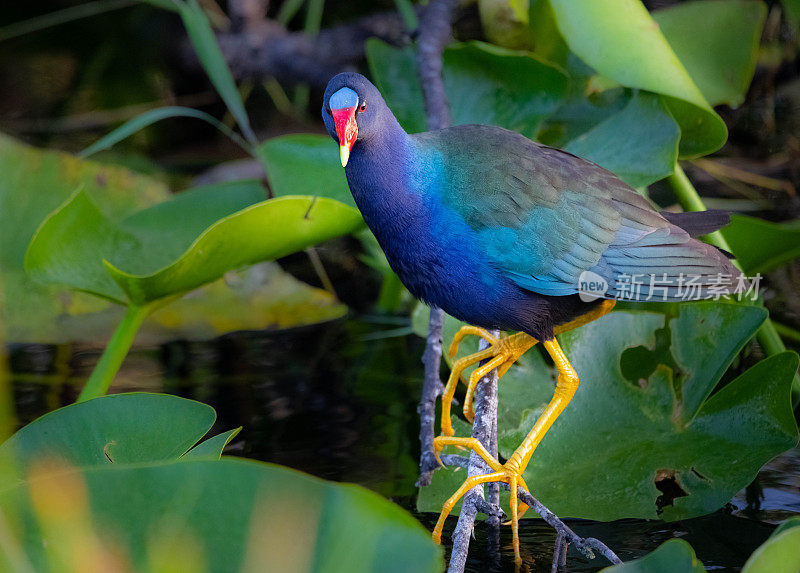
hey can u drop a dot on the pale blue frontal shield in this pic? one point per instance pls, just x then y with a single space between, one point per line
344 98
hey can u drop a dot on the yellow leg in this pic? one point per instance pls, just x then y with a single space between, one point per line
502 354
468 484
511 471
509 349
450 388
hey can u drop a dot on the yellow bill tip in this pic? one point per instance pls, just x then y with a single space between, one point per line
344 154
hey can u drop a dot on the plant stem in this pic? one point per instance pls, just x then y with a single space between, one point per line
391 292
8 421
690 200
406 10
116 351
786 331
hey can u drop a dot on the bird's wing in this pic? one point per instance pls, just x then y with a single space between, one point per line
545 216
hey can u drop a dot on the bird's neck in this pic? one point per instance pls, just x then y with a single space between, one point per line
380 174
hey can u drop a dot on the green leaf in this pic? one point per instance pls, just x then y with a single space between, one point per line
260 297
265 231
620 40
642 414
35 182
761 246
485 84
212 447
79 248
717 41
232 514
149 510
152 116
394 72
638 144
116 429
792 10
304 164
213 62
673 556
780 553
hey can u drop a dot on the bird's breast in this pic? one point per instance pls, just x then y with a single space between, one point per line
433 251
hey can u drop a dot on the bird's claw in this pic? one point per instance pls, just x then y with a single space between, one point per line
509 473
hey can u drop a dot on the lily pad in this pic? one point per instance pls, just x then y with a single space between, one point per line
35 182
717 41
305 164
105 489
261 297
761 246
621 41
274 519
639 144
77 247
643 416
673 556
485 84
780 553
116 429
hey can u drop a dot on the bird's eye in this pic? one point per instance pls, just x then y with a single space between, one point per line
363 107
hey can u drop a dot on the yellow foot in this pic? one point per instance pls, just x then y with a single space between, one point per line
509 473
501 354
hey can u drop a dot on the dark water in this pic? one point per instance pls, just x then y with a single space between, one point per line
338 400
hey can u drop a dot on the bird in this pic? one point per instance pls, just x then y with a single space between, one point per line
499 231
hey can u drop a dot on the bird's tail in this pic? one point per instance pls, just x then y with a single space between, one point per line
699 223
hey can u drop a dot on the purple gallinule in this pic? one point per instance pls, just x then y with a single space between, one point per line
499 231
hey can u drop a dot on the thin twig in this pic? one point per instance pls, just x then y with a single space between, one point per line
431 389
484 429
434 34
587 546
559 554
434 31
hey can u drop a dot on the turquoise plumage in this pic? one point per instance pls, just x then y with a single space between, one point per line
545 216
499 230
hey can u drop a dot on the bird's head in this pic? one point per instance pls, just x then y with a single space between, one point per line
352 110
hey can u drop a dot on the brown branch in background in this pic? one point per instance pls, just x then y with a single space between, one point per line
434 33
268 50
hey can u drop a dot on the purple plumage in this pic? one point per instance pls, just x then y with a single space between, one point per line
499 231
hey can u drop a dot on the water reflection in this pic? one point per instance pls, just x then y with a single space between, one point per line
338 400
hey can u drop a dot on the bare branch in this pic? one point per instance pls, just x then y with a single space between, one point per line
431 389
484 428
269 50
587 545
434 32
